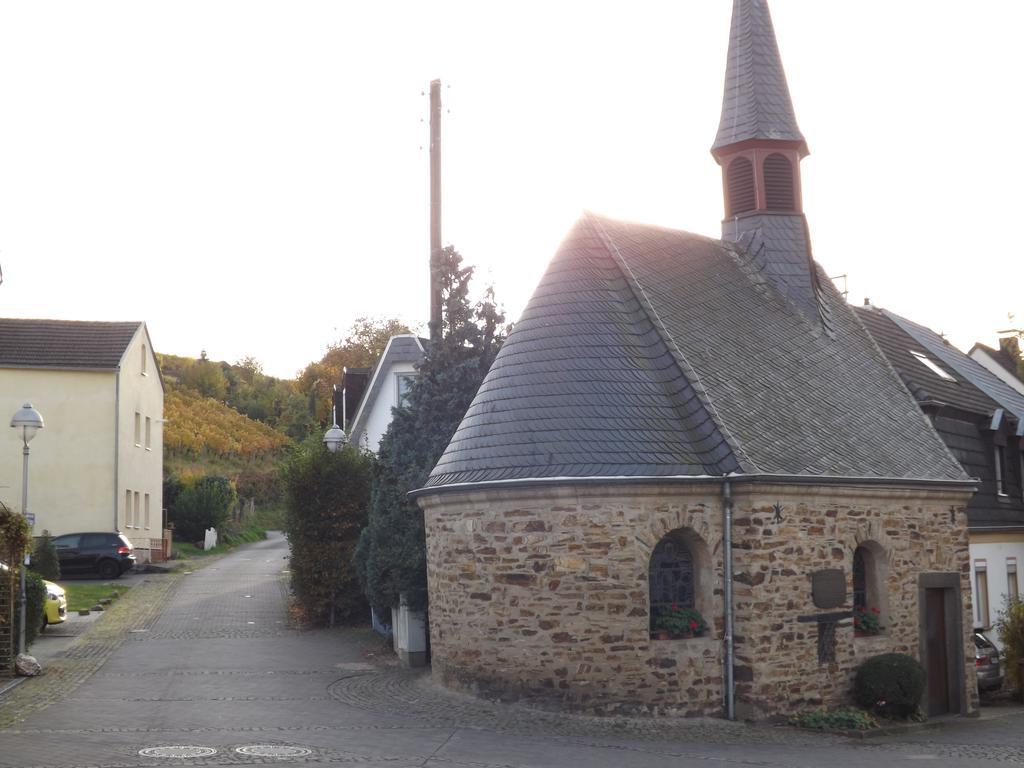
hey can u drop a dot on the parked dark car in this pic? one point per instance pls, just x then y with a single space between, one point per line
106 554
987 663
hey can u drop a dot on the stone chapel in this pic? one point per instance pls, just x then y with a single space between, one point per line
700 423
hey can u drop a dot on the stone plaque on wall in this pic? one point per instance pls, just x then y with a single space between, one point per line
828 587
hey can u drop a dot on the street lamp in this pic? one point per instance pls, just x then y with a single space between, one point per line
334 436
29 421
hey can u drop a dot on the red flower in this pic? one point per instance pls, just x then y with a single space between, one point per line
675 606
693 625
875 610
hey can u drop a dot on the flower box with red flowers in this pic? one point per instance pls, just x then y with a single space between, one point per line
866 621
679 622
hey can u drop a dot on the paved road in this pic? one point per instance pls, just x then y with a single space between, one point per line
219 669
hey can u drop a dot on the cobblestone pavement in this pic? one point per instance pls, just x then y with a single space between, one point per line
207 660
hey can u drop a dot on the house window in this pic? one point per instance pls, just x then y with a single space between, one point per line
135 511
138 429
149 433
981 592
675 578
870 581
1012 590
1000 458
144 360
403 386
931 365
146 511
127 509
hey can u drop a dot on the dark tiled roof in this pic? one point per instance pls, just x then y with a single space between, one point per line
654 352
756 103
964 421
897 345
971 370
405 348
779 246
63 343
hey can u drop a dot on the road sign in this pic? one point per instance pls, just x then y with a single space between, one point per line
30 518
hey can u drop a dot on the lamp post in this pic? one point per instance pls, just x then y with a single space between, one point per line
334 436
29 421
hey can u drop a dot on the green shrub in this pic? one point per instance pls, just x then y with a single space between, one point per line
204 503
44 558
890 684
848 719
1011 634
327 496
35 594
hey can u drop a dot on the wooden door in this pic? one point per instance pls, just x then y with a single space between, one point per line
937 651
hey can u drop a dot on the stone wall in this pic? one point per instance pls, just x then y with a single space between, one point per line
543 593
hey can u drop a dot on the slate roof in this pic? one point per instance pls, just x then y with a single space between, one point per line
973 371
926 385
650 352
404 348
963 423
63 344
756 104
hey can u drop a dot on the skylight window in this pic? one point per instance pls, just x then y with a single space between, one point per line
934 368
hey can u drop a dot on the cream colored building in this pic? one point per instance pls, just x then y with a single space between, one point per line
97 465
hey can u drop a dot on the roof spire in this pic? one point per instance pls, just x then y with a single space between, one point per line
756 103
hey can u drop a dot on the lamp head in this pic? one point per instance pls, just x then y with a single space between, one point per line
333 438
29 420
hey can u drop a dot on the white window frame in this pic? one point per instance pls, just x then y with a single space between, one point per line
146 512
144 359
138 429
1012 586
999 455
127 508
135 499
981 593
932 365
399 377
149 434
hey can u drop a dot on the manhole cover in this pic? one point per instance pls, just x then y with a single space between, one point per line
178 751
272 750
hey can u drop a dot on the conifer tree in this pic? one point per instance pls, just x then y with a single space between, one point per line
391 556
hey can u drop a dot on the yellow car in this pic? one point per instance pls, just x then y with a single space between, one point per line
55 607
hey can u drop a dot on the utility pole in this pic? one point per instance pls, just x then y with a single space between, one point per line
435 210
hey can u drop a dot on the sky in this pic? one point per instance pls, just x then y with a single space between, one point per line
250 177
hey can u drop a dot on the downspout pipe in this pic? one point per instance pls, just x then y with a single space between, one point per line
730 657
117 443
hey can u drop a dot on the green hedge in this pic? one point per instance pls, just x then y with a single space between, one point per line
327 495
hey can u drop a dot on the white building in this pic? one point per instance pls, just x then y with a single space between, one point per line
98 463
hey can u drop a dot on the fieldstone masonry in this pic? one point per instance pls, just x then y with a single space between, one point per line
542 593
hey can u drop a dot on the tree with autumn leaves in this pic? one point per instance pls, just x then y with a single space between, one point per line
391 556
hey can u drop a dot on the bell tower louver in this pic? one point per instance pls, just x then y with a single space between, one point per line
759 147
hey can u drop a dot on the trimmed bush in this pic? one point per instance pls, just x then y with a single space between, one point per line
35 594
205 503
327 495
44 558
890 684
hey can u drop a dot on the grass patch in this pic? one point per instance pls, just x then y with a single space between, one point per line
234 533
82 597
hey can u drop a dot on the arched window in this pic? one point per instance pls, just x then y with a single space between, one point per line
680 584
778 183
740 183
870 594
